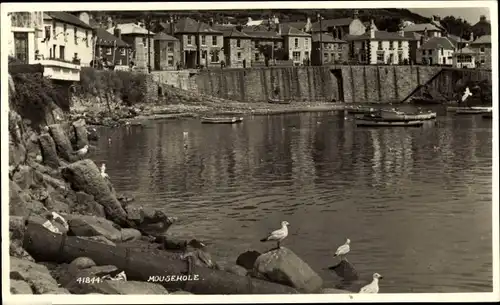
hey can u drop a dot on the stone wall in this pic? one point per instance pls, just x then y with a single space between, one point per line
352 84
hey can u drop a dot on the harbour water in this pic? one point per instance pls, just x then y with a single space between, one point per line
415 202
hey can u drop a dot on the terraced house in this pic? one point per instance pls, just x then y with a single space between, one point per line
267 45
482 48
436 51
237 47
341 27
111 50
328 50
297 44
136 36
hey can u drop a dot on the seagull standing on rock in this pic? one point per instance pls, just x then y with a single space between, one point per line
373 286
343 250
83 151
278 235
103 171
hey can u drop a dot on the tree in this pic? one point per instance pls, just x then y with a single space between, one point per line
457 26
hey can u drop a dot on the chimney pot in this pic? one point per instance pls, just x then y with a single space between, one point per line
482 18
355 14
117 33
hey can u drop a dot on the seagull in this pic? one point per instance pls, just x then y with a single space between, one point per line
278 235
373 286
185 134
343 250
58 218
103 171
466 94
83 151
196 255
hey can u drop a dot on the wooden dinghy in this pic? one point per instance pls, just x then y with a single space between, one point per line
278 101
221 120
380 122
471 111
402 116
455 108
359 110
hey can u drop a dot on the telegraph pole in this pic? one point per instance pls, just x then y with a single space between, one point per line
148 25
320 39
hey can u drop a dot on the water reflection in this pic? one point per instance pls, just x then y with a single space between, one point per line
416 202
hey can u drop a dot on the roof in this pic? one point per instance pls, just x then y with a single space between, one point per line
287 30
465 50
420 27
262 34
189 25
67 18
455 39
438 43
413 35
130 29
163 36
482 40
325 37
296 24
254 22
379 35
325 24
104 38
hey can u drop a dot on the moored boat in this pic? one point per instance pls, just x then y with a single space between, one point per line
360 109
455 108
488 115
380 122
278 101
471 111
399 115
221 120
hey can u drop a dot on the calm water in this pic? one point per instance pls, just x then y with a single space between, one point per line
415 202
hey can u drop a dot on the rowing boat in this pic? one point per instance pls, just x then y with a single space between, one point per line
278 101
402 116
221 120
380 122
471 111
455 108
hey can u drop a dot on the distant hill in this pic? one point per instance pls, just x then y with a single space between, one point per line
385 19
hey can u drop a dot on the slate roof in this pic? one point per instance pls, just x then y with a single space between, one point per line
438 43
296 24
420 27
465 50
190 26
379 35
287 30
67 18
482 40
104 38
261 34
130 29
231 31
326 38
325 24
413 35
163 36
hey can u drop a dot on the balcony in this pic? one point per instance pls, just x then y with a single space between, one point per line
59 69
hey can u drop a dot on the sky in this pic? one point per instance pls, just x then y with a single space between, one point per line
471 14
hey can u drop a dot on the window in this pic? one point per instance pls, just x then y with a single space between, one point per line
306 41
144 41
170 61
54 28
380 57
109 51
87 38
380 45
203 54
123 51
189 42
21 46
296 43
238 43
53 53
170 47
65 27
392 45
306 55
430 52
481 49
423 52
256 43
61 52
482 59
296 56
239 55
214 55
74 35
214 42
100 51
257 57
442 51
203 40
325 57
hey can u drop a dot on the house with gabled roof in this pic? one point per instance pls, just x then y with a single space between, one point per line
464 58
333 50
420 28
482 47
267 45
137 36
167 51
436 51
237 46
111 50
340 27
297 44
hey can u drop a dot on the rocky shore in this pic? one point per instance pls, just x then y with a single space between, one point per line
71 233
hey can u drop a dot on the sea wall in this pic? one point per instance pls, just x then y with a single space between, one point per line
352 84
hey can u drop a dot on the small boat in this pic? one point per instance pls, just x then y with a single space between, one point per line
471 111
399 115
487 115
221 120
380 122
455 108
359 109
278 101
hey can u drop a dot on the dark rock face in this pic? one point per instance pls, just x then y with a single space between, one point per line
48 149
36 275
62 142
345 270
247 259
84 225
80 132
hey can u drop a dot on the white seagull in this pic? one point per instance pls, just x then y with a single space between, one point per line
344 249
103 171
278 235
467 93
373 286
83 151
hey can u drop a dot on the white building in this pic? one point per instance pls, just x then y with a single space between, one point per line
436 51
464 58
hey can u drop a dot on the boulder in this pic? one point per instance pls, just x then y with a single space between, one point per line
129 234
17 154
85 225
85 176
345 270
92 134
134 214
84 204
49 151
33 146
99 239
16 250
20 287
285 267
36 275
82 263
155 222
135 287
16 227
80 132
235 269
20 202
23 177
56 201
247 259
62 142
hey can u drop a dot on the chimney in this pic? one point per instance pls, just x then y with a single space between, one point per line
401 31
249 19
482 18
84 16
372 29
308 20
172 26
109 22
211 22
471 36
118 33
276 19
355 14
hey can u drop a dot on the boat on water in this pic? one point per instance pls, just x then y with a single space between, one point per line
221 120
488 115
400 115
278 101
483 108
380 122
359 109
471 111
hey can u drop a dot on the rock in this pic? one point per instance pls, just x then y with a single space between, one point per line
345 270
56 202
49 151
85 225
17 154
247 259
85 176
134 287
92 134
21 204
82 263
33 146
20 287
62 142
99 239
285 267
16 227
134 214
155 222
23 177
334 290
16 250
235 269
36 275
70 279
80 131
130 234
85 204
